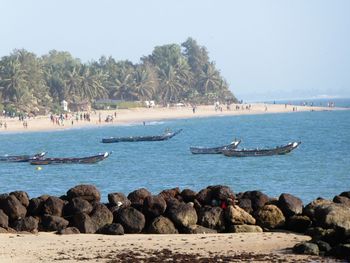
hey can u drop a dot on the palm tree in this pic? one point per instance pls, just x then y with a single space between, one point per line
72 83
123 86
170 84
144 85
209 79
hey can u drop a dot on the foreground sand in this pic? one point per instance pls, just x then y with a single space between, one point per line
245 247
140 115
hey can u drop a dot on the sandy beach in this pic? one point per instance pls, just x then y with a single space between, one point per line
140 115
245 247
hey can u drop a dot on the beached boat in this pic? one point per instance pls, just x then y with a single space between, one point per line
81 160
213 150
261 152
21 158
166 136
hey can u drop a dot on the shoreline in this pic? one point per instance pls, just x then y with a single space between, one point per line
138 116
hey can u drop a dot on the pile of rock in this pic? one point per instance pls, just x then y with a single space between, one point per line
211 210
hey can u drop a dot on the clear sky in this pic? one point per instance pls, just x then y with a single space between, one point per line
265 49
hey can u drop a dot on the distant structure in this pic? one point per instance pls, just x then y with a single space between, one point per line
64 105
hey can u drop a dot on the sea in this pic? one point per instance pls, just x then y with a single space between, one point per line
319 167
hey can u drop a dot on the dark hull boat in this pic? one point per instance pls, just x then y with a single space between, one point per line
21 158
279 150
165 136
83 160
213 150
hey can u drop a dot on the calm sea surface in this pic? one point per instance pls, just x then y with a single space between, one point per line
319 167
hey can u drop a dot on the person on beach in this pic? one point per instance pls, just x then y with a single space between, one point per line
5 125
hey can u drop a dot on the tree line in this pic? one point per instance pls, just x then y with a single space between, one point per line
172 73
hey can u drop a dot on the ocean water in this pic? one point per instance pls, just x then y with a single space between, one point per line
319 167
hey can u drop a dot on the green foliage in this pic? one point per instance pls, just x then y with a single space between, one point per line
172 73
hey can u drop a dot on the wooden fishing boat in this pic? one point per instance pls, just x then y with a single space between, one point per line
213 150
82 160
261 152
166 136
21 158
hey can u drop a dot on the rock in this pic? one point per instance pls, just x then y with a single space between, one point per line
183 215
4 220
52 223
212 217
35 207
345 194
170 193
290 205
197 229
342 251
298 223
101 215
13 208
154 206
68 231
306 248
270 216
246 205
77 205
87 192
84 223
137 197
162 225
221 192
318 233
112 229
118 199
257 198
204 196
245 229
237 216
323 247
131 219
29 224
3 230
309 210
333 215
341 200
188 195
22 197
53 206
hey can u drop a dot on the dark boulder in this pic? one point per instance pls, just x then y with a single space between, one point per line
22 197
87 192
345 194
290 205
28 224
183 215
137 197
53 206
333 215
188 195
13 208
342 251
323 247
131 219
84 223
246 205
101 215
341 200
52 223
112 229
257 198
306 248
154 206
118 199
170 193
244 229
204 196
77 205
162 225
68 231
35 207
298 223
270 216
221 192
212 217
309 209
4 219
